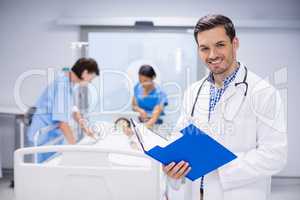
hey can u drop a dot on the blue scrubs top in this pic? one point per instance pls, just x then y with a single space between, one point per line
53 106
154 98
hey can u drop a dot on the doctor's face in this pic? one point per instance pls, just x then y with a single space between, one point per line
216 49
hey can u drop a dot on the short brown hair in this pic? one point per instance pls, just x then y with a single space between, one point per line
211 21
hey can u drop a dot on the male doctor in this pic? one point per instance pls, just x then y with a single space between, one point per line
241 111
56 107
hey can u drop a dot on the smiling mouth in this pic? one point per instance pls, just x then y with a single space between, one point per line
215 62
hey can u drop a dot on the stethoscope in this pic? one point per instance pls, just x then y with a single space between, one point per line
193 110
236 84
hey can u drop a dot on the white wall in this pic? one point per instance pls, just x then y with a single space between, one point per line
279 9
29 39
268 53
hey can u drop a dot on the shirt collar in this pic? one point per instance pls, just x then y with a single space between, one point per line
154 90
227 80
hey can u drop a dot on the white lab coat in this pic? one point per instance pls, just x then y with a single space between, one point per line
254 130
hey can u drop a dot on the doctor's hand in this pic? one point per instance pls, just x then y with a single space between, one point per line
177 171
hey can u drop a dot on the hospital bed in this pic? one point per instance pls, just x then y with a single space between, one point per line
86 172
107 169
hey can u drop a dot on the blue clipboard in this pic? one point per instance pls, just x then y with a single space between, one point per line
203 153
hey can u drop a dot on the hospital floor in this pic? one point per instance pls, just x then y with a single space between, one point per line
287 189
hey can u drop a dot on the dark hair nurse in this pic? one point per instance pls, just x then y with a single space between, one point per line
149 99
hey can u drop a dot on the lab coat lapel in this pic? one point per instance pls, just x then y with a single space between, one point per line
233 96
202 108
231 90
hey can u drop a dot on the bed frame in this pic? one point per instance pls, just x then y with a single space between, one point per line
85 172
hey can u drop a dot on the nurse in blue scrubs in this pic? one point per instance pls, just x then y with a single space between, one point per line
55 107
149 99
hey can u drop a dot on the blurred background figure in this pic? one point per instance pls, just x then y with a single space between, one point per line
149 99
55 107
